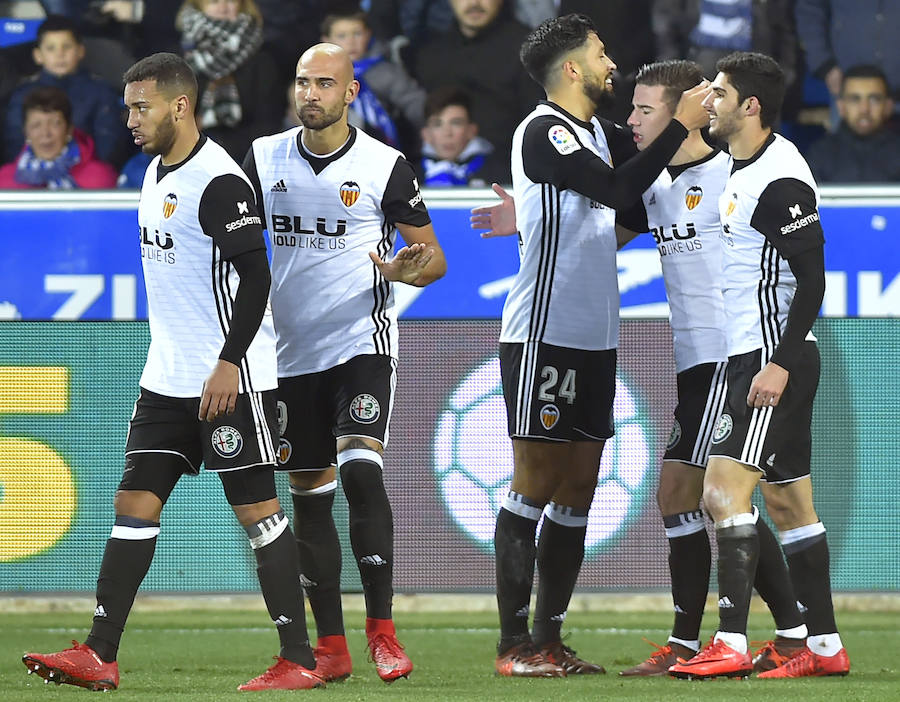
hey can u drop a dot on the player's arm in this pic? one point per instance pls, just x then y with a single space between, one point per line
788 217
422 260
229 216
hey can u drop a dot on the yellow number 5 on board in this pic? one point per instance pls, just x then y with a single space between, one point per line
37 493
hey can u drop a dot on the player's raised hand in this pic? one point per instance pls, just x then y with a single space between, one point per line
690 111
499 219
407 265
220 391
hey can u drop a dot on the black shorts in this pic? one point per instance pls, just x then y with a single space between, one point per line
557 393
701 397
169 425
775 440
352 399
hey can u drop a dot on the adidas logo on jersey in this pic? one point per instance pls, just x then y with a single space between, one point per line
652 199
725 603
279 187
374 560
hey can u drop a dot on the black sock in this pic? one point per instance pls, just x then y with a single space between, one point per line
738 554
773 582
809 563
560 551
371 528
689 567
515 551
319 550
277 569
128 554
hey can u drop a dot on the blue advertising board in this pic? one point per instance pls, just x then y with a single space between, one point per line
76 256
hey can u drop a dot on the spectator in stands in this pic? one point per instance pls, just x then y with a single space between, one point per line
421 19
56 155
390 103
239 99
96 105
837 34
452 151
479 53
288 29
862 150
705 31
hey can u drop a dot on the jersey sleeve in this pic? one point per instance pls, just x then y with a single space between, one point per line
229 216
788 217
402 202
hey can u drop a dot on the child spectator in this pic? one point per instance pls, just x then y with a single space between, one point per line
452 151
239 95
96 105
387 94
56 155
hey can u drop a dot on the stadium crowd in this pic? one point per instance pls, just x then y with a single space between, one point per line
422 69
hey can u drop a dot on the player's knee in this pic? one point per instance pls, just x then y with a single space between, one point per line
140 504
718 500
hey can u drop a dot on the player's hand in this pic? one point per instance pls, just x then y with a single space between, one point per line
407 265
220 391
690 111
767 386
499 219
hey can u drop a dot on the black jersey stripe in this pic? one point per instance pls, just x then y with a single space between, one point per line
554 248
380 293
224 307
546 263
767 297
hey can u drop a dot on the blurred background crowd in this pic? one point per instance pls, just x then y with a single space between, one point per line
439 79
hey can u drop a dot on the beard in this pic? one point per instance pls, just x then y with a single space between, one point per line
723 127
163 138
597 92
318 118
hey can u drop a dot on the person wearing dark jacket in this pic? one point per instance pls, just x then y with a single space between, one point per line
863 149
479 54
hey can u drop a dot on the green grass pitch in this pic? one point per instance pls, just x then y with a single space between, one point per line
187 656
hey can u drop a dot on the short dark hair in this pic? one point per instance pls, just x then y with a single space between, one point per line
170 71
48 98
550 41
674 76
865 70
59 23
444 97
345 13
756 75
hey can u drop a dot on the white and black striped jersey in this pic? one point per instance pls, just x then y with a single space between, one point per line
769 213
324 215
566 291
194 217
682 208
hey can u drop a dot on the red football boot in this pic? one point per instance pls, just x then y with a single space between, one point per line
808 664
386 651
79 665
717 659
284 675
333 662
